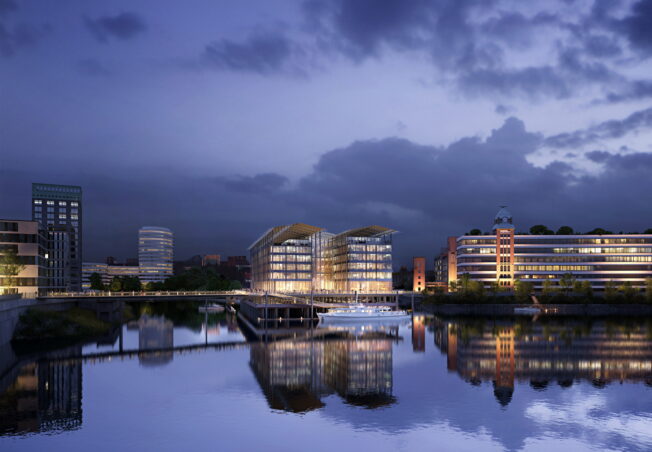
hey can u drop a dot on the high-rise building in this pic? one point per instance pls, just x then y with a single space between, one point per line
505 257
58 210
28 243
155 253
301 258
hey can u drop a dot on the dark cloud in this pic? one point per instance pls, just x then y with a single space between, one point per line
262 52
634 90
615 128
20 36
503 109
425 192
122 26
638 26
598 156
92 68
7 6
529 82
260 183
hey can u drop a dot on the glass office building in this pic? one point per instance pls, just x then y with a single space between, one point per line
58 210
506 257
155 253
301 258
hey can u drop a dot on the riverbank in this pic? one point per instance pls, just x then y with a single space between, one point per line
506 309
73 324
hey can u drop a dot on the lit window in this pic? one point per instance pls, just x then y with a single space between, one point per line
38 201
74 204
62 203
50 203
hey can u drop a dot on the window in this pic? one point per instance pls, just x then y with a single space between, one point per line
38 201
50 203
62 203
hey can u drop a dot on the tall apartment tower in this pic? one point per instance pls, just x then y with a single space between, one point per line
155 253
419 274
58 210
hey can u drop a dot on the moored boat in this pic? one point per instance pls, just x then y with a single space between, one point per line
361 312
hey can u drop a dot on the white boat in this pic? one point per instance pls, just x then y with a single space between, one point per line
212 308
361 312
527 311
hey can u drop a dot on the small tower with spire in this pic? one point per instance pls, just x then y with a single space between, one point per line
504 230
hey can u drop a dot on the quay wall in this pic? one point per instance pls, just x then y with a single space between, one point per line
560 309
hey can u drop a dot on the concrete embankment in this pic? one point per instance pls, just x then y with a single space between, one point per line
558 309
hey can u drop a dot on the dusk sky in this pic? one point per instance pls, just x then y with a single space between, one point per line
220 119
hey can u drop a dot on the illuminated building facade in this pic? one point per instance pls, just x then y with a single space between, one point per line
418 274
301 258
506 257
58 210
155 253
29 243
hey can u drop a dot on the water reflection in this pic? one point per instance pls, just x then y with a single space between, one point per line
545 352
44 396
355 362
155 332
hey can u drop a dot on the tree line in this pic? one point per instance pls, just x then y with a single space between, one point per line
193 279
540 229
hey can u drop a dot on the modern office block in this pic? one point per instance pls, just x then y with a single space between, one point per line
505 257
301 258
29 244
155 253
58 210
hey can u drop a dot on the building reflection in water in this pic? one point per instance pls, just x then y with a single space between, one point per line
155 333
541 353
419 333
296 374
43 396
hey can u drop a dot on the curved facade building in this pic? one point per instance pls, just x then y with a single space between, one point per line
155 253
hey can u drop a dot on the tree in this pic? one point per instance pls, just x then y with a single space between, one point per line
539 229
131 284
565 230
96 281
610 291
547 288
10 268
628 290
475 231
599 231
523 290
567 281
116 284
648 231
648 290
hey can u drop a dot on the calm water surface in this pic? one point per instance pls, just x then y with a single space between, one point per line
429 383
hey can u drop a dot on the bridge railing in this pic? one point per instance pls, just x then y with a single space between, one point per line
155 293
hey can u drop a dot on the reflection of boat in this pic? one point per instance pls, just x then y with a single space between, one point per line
361 312
527 311
212 308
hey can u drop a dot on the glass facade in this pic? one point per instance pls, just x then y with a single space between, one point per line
155 253
301 258
58 210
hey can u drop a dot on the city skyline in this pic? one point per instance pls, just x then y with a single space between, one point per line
221 120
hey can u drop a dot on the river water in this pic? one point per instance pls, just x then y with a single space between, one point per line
175 379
